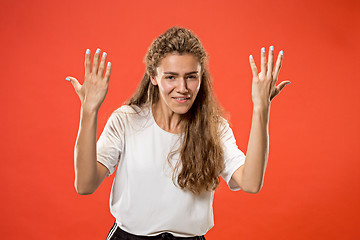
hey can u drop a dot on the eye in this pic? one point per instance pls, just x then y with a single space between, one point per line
169 77
192 77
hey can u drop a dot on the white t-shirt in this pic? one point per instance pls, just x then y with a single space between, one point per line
144 199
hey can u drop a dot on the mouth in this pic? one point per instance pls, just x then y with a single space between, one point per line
181 99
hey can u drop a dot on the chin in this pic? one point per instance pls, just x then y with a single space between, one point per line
181 109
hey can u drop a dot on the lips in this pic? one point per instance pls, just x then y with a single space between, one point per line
181 99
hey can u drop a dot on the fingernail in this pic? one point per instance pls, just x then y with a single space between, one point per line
263 49
87 51
109 64
281 52
271 48
251 57
98 50
287 83
104 54
68 79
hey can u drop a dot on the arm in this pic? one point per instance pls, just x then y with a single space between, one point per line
249 176
88 172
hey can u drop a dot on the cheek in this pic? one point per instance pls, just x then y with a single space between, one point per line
166 86
194 86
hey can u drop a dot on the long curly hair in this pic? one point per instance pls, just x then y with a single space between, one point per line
201 153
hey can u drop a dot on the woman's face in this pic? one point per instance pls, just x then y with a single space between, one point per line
178 78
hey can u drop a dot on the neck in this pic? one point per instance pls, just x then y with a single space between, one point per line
167 119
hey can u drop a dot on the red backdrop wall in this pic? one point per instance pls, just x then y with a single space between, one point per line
311 188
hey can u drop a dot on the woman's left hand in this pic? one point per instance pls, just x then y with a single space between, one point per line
264 87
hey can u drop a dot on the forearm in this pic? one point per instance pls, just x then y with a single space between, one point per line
257 151
85 153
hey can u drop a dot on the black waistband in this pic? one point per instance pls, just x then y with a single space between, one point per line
162 236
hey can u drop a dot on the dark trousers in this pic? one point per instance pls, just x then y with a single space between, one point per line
116 233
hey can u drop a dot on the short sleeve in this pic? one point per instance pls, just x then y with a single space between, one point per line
233 156
110 143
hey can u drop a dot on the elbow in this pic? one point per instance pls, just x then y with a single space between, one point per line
253 190
83 190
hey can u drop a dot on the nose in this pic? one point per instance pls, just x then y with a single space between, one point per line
182 85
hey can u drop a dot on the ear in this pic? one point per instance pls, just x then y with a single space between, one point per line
153 81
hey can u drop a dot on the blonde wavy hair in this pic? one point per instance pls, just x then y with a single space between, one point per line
201 152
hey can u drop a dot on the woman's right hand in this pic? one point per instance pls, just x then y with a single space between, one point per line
93 91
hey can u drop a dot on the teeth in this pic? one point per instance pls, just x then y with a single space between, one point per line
181 98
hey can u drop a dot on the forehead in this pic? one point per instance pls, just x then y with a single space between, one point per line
179 63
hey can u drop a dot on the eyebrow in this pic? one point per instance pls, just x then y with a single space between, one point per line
174 73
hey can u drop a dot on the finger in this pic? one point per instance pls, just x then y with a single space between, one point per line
108 71
263 61
271 60
278 89
253 66
95 65
102 65
75 83
278 64
283 84
87 62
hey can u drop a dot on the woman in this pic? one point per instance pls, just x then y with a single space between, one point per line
169 141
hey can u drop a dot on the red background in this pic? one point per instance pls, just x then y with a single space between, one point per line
311 188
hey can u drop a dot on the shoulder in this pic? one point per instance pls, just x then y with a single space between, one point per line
127 109
132 109
225 131
133 114
223 121
224 125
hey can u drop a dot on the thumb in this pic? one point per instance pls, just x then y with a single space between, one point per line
278 89
74 82
283 84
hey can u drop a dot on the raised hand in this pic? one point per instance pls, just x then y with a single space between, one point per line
93 91
264 87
